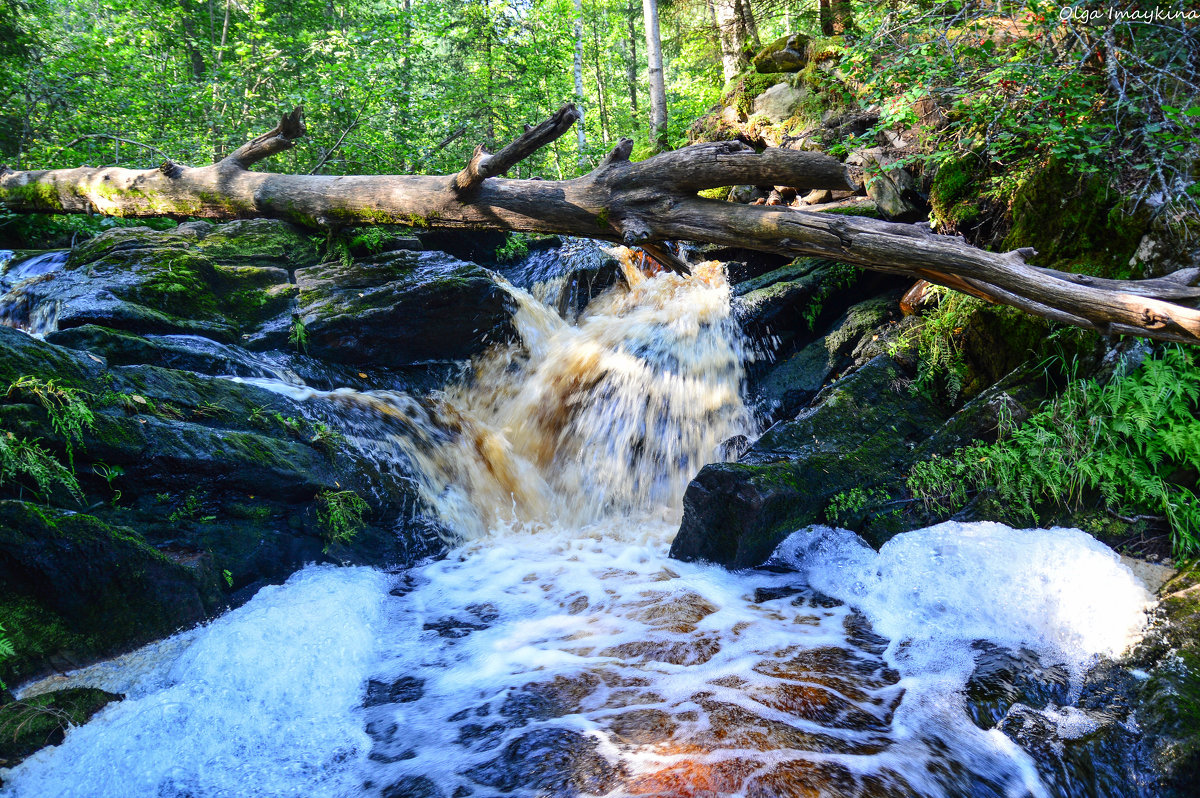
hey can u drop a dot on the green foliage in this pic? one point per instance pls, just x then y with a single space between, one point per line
340 514
1131 445
838 277
514 248
372 239
846 506
22 459
69 414
1017 85
298 335
328 439
7 651
189 510
939 344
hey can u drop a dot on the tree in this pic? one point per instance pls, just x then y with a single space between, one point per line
658 91
734 35
639 204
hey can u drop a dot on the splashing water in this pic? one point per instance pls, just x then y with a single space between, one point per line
558 651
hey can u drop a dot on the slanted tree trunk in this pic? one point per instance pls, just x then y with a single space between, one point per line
639 204
658 89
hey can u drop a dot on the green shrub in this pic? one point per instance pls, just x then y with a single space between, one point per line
1131 445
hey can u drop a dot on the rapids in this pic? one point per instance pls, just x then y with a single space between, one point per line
557 650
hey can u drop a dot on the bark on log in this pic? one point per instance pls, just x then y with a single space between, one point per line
638 204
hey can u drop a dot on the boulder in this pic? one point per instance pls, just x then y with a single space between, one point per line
795 380
862 432
784 305
786 54
168 282
104 583
894 191
401 308
780 102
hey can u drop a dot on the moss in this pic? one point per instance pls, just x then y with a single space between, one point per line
38 635
954 193
741 91
34 195
1076 223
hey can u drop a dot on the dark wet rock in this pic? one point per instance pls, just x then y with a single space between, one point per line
402 308
790 384
863 431
1167 705
566 277
1003 678
211 281
402 691
31 724
453 628
218 478
545 700
104 584
801 595
560 763
413 787
1098 764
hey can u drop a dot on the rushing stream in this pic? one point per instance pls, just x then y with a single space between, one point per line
557 650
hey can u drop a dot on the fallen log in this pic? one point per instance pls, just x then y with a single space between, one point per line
638 204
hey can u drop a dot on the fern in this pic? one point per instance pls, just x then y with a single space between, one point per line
20 458
7 650
1125 441
69 414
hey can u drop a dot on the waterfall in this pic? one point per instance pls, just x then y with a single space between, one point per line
558 651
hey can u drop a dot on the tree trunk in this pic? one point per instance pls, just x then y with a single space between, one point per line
734 36
631 68
639 204
579 131
658 91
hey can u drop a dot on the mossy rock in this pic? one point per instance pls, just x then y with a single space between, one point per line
791 302
105 582
786 54
861 433
260 242
28 725
402 308
1076 223
954 192
741 91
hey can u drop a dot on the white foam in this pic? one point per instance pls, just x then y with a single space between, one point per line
261 703
1057 591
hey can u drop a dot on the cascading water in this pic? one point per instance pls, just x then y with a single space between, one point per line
20 308
558 651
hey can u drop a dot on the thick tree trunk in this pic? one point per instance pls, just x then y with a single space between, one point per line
639 204
734 36
654 63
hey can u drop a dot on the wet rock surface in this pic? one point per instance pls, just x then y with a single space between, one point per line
221 480
401 308
863 431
